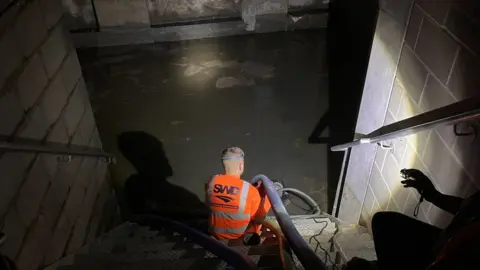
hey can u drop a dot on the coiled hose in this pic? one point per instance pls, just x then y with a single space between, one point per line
316 208
302 195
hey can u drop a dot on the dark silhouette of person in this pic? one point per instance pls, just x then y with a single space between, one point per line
148 191
402 242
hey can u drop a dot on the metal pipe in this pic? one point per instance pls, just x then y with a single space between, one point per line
10 147
341 183
305 254
233 257
457 112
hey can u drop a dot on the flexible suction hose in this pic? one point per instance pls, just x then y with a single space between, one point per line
306 256
314 205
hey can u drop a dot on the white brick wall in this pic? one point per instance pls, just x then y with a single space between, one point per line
35 126
32 252
54 50
13 167
40 71
54 100
30 29
435 68
70 71
74 112
10 105
15 229
52 11
61 235
59 133
31 194
10 55
32 81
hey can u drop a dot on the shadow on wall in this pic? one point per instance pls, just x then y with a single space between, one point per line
148 191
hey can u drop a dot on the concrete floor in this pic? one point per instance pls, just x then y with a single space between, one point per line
263 92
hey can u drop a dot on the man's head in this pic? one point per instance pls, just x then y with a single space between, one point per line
232 159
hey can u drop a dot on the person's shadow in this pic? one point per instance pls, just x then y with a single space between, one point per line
148 191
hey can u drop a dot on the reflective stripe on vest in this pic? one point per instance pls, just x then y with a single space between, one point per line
239 215
235 230
239 230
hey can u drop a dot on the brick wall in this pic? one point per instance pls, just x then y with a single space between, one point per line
425 56
47 208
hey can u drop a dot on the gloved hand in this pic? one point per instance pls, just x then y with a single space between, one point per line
419 181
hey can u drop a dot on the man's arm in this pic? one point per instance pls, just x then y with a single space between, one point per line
448 203
418 180
263 205
258 220
254 201
260 215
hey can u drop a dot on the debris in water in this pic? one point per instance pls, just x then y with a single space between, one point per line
177 122
192 70
219 64
296 19
227 82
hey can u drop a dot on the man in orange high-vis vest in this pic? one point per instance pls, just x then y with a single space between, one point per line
236 206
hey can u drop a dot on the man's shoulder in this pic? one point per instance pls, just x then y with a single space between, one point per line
242 182
227 178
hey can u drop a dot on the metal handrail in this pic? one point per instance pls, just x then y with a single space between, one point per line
305 254
40 149
233 257
467 109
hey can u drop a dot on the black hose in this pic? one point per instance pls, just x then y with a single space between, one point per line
305 254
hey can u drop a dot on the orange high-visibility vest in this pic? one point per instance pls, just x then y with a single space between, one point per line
233 203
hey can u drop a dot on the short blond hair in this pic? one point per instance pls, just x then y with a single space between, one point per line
232 153
232 159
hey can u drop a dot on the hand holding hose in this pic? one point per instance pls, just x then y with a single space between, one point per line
261 189
419 181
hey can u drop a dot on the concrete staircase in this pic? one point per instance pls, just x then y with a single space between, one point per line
131 246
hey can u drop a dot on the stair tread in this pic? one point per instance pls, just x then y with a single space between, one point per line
153 264
131 246
120 248
140 256
355 241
